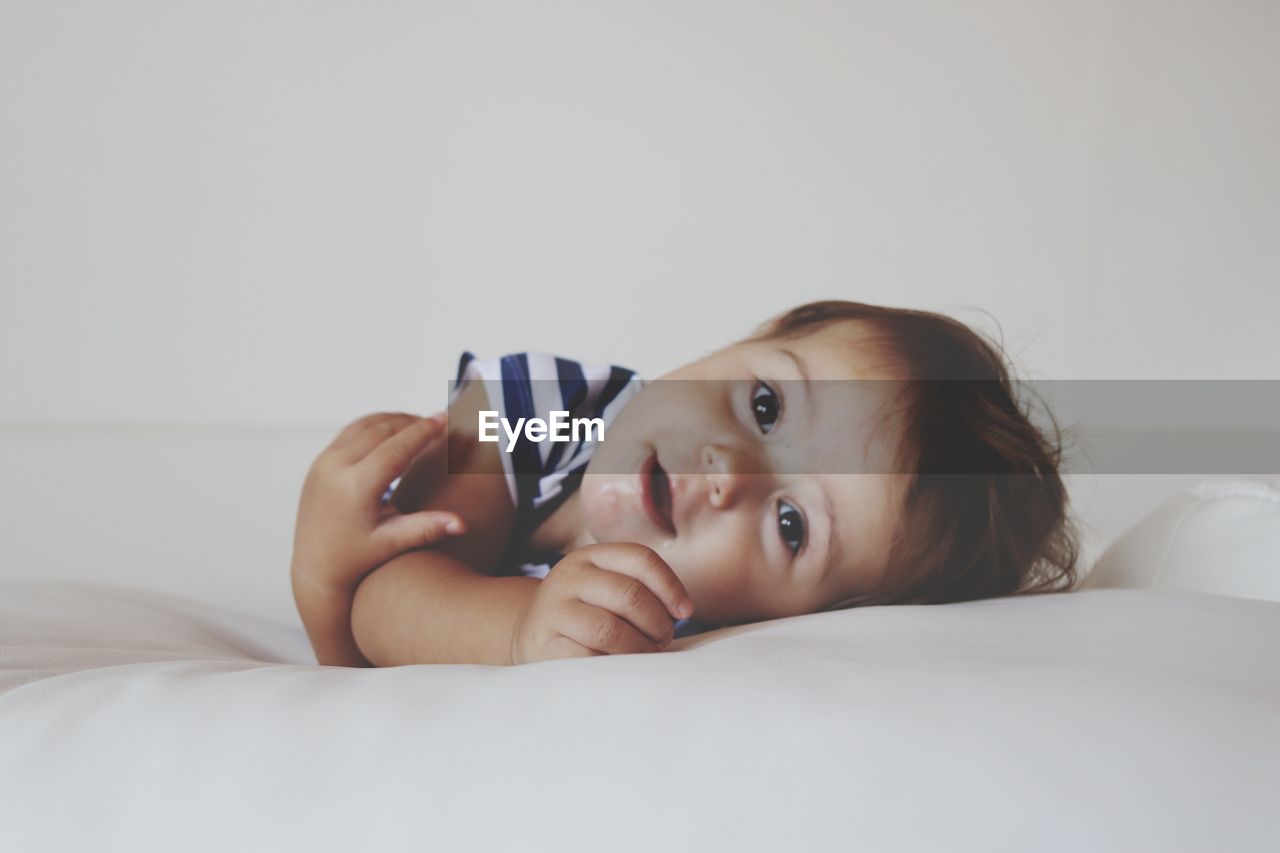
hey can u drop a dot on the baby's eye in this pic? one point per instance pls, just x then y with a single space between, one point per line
764 406
791 526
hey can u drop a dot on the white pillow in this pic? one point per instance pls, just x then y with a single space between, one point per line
1218 536
132 721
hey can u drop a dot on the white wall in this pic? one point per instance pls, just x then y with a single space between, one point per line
294 213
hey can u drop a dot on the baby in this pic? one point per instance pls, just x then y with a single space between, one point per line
749 494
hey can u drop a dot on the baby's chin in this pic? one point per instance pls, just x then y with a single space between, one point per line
612 508
607 526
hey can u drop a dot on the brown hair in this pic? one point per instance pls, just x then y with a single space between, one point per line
961 535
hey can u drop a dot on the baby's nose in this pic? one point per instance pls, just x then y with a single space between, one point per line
728 474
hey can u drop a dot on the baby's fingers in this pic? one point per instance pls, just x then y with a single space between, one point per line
364 434
417 530
367 434
629 599
602 631
394 452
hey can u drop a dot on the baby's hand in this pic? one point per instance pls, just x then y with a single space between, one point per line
619 598
343 531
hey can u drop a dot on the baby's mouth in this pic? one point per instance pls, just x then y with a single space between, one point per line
658 496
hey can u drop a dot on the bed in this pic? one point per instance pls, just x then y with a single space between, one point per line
165 697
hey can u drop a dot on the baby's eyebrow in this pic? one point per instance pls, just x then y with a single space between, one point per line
804 375
834 549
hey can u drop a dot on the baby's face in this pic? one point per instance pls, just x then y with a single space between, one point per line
701 472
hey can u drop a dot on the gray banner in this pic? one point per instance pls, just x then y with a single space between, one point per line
833 427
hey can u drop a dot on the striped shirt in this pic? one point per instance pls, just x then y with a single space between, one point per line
541 475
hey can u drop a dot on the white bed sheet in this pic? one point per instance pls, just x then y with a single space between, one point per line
1099 720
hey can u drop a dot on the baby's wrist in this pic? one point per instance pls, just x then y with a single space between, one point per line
516 623
321 583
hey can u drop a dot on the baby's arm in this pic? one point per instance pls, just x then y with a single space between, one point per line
430 607
438 605
427 607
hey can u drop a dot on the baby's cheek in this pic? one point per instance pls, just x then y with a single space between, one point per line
716 578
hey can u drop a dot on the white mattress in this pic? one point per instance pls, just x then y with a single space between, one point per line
1099 720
